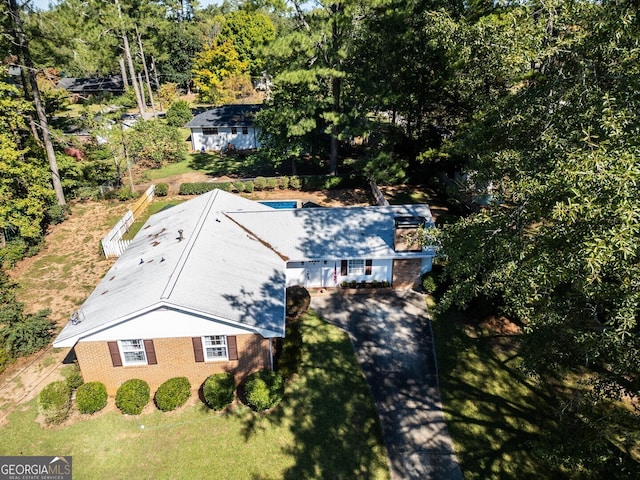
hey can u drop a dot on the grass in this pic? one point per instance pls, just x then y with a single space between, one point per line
326 427
155 207
169 170
495 414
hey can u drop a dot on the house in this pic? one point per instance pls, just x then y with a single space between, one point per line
201 289
82 88
226 127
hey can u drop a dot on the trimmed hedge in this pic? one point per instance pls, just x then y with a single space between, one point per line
91 397
260 183
161 189
203 187
249 186
264 389
428 283
73 377
54 401
218 389
132 396
172 394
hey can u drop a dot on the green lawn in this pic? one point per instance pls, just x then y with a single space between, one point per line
155 207
325 428
495 414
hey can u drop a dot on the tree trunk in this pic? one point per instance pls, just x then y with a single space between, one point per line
146 74
127 54
37 100
123 72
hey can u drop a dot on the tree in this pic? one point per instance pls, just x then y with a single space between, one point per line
557 249
215 69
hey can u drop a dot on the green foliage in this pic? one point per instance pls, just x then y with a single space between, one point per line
26 334
57 214
161 189
125 194
152 144
284 182
238 186
264 389
72 376
249 186
132 396
428 283
260 183
91 397
179 113
54 402
295 183
172 394
218 390
271 184
203 187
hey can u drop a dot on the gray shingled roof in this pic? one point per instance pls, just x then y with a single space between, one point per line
217 271
226 116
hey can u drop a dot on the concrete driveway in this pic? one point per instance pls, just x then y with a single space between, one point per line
392 338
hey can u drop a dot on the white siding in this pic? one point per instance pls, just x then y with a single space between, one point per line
165 323
224 137
320 273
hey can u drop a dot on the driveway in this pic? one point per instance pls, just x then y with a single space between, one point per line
392 338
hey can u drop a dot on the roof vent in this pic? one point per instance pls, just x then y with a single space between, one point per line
76 317
180 236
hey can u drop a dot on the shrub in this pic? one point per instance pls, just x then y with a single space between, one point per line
428 283
260 183
73 377
172 394
132 396
54 401
57 214
91 397
179 113
248 186
239 186
162 189
264 389
295 183
272 183
125 194
218 389
196 188
284 183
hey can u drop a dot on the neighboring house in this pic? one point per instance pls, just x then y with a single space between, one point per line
86 87
221 128
201 289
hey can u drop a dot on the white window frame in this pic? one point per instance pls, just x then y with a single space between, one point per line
133 346
211 343
356 267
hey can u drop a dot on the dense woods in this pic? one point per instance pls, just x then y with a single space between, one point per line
524 113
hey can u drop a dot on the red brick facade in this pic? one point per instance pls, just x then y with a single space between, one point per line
175 358
406 272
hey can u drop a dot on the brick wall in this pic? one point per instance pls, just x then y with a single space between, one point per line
406 272
175 359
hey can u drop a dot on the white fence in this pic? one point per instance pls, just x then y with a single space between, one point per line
112 243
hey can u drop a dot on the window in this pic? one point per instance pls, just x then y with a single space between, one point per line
133 352
245 130
356 267
234 130
209 131
215 347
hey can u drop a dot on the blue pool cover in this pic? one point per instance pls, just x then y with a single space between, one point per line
281 204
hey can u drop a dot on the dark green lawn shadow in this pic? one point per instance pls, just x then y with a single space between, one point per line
235 164
329 407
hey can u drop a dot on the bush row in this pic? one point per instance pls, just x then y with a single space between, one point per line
307 183
262 390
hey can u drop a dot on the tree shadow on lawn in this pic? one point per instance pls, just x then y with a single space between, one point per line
500 421
330 412
235 165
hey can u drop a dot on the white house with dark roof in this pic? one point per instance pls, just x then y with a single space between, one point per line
201 289
225 127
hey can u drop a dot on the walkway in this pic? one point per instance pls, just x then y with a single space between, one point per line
392 338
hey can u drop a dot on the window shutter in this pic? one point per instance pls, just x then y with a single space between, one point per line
151 352
343 267
114 351
367 266
232 348
197 349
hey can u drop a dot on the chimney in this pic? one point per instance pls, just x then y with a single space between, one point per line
404 228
